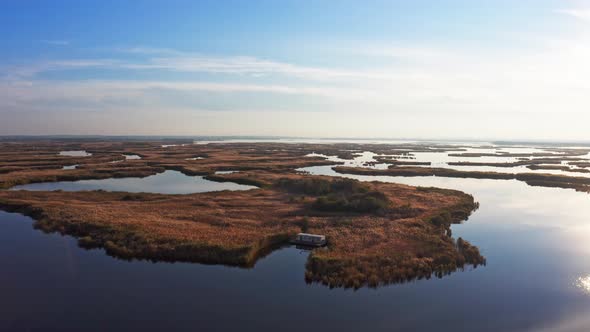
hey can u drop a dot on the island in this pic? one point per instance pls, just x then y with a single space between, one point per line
377 233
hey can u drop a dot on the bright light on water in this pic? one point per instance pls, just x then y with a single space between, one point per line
583 283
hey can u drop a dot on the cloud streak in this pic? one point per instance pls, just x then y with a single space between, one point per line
530 82
583 14
95 89
393 79
56 42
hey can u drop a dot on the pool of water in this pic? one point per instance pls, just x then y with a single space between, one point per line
226 172
168 182
127 157
75 153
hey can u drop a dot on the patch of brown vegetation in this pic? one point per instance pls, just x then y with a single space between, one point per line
563 168
580 163
378 233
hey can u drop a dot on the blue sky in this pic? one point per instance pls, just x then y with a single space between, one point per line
422 69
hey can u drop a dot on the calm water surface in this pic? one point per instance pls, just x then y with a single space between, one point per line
168 182
131 157
536 240
75 153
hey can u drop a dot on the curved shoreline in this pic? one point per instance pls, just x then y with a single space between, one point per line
581 184
379 233
162 227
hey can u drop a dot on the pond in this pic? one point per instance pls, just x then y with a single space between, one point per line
168 182
127 157
226 172
75 153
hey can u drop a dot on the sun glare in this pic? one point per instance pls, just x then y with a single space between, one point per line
583 283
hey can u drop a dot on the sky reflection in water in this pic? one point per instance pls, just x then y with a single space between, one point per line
537 278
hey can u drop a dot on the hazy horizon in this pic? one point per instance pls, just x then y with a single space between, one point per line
454 70
303 139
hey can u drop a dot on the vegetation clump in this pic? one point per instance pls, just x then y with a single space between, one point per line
338 195
360 202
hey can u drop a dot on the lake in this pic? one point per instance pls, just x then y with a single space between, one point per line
537 277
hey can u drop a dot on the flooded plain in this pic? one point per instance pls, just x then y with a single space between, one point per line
537 278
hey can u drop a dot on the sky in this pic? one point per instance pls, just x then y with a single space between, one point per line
355 69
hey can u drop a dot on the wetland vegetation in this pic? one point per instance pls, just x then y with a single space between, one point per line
378 233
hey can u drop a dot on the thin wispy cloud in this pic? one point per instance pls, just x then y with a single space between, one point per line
30 71
412 53
237 65
245 65
56 42
461 77
421 80
148 50
583 14
96 90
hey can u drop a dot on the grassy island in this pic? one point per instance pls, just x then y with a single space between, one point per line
378 233
366 224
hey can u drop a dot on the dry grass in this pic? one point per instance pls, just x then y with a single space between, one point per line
407 238
237 227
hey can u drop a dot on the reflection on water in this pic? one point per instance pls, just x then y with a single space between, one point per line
127 157
583 283
537 278
75 153
49 284
169 182
172 145
132 157
360 160
442 160
226 172
536 243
